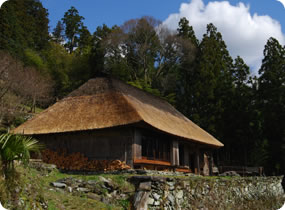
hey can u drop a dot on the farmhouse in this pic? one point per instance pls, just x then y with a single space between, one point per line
107 119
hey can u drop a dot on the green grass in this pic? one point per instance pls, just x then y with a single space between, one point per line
35 189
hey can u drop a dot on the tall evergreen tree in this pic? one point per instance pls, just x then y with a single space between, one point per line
213 82
271 98
186 31
73 24
58 33
23 24
187 70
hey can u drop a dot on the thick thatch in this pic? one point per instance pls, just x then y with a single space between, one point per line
105 102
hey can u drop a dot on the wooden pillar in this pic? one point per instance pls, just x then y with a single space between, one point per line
137 144
174 153
211 163
197 161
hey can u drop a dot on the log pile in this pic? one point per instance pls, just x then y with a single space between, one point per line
78 162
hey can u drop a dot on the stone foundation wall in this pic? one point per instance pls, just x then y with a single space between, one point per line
158 192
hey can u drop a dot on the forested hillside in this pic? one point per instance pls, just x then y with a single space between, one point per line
40 65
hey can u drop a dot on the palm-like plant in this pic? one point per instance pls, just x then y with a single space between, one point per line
16 147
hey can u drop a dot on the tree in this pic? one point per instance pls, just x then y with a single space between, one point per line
188 70
36 89
84 42
59 64
140 47
214 64
97 58
23 24
186 31
57 34
73 24
271 100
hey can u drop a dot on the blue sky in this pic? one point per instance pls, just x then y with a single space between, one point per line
113 12
245 25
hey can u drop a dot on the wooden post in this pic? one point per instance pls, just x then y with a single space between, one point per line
137 145
197 161
211 163
174 153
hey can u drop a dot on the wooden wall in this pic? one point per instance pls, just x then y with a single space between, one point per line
105 144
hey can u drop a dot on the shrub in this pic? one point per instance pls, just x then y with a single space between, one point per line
16 147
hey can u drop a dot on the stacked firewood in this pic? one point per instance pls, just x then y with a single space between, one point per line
77 161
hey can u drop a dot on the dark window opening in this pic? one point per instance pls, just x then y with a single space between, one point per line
192 162
155 149
181 155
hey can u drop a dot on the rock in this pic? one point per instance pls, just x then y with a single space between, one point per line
145 186
58 184
150 201
82 189
171 185
107 183
179 194
105 200
158 179
69 189
94 196
92 182
171 198
103 179
156 203
141 200
156 196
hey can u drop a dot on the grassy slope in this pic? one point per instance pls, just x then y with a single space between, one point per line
32 189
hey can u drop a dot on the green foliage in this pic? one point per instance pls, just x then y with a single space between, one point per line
260 154
141 84
73 24
32 58
57 34
23 24
186 31
16 147
271 101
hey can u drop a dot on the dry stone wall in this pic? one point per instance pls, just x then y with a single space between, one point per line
158 192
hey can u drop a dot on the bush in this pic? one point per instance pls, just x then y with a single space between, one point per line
16 147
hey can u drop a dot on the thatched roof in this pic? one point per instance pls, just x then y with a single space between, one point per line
104 103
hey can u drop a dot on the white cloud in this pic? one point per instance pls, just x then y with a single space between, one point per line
1 2
244 34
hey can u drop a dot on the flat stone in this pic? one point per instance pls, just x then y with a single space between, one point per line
171 198
58 184
158 179
69 189
94 196
156 203
103 179
141 200
82 189
179 194
156 196
145 186
92 182
150 201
